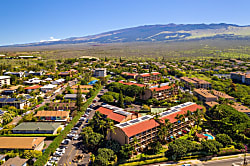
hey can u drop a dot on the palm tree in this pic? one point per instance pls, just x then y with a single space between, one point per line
110 126
134 143
102 125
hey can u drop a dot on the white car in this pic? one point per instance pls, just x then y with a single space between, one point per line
54 159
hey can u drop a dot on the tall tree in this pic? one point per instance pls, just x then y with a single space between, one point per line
121 100
79 98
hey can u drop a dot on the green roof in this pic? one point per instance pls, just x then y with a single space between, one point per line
37 126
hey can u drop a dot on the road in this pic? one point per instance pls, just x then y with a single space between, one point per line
74 146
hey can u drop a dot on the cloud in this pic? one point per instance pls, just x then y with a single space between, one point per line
50 39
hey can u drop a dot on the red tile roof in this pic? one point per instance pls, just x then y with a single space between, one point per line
201 136
129 74
161 88
140 127
111 115
33 87
148 74
130 83
191 108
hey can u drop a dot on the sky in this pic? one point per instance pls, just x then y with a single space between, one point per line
26 21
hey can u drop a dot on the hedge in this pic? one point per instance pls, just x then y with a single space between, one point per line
57 141
157 160
48 136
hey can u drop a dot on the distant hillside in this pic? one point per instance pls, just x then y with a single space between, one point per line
158 33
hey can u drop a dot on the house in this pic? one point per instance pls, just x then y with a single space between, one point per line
147 77
16 161
58 82
195 82
128 75
4 80
100 72
10 90
145 128
84 88
204 95
37 128
32 88
22 143
33 81
47 88
53 115
18 74
74 97
18 103
118 115
159 92
62 106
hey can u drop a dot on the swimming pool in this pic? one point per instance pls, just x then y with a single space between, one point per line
209 136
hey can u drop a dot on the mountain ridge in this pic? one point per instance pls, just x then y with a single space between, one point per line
156 33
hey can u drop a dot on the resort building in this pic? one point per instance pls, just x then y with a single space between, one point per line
145 128
241 108
100 72
240 77
61 116
22 143
147 77
118 115
4 80
159 93
222 95
128 75
132 83
211 104
195 83
36 128
204 95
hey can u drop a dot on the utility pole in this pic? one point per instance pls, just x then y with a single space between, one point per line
245 157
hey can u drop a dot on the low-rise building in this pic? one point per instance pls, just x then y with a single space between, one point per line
132 83
211 104
240 77
37 128
160 93
204 95
74 97
100 72
18 74
62 106
58 82
32 88
221 95
128 75
48 87
241 108
84 88
147 77
4 80
145 128
18 103
118 115
195 83
22 143
52 115
16 161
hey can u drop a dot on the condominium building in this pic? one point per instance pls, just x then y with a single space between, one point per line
145 128
147 77
128 75
195 82
221 95
204 95
159 93
240 77
100 72
241 108
118 115
4 80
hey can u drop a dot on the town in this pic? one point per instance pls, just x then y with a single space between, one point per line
100 111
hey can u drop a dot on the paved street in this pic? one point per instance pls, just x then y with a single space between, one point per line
74 146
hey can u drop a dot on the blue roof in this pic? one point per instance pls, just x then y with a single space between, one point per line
92 82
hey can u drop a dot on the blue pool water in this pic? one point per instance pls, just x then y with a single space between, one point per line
209 136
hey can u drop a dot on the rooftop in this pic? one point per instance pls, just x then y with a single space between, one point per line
204 93
17 161
211 103
131 83
33 87
52 113
37 126
240 108
20 142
